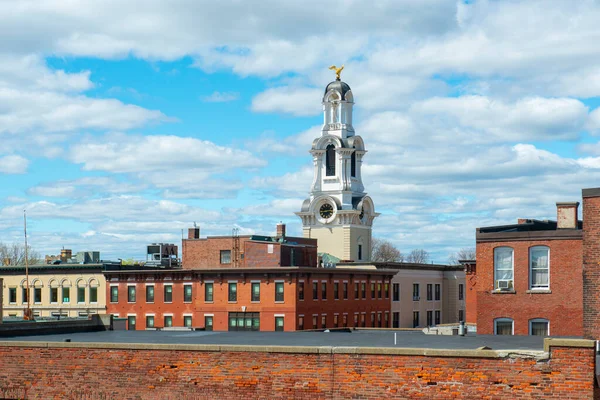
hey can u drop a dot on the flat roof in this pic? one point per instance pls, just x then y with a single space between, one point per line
358 338
250 270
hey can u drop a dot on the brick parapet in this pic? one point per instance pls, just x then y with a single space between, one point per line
153 371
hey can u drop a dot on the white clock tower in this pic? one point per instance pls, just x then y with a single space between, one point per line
338 212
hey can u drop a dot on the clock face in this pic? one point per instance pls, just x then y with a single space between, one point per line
326 211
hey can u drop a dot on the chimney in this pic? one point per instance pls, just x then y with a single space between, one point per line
194 233
566 215
65 255
591 263
280 229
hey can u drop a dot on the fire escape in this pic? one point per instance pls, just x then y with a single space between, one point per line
235 252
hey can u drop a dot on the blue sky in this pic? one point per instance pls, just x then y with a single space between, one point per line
123 123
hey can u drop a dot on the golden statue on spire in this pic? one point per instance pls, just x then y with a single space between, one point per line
337 70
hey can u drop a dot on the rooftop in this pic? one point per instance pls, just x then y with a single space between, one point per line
359 338
528 229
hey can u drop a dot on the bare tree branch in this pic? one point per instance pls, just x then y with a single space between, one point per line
14 254
418 256
384 251
466 253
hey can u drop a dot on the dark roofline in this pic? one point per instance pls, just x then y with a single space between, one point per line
559 234
591 192
50 267
269 270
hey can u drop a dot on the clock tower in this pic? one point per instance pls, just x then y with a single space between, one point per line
338 212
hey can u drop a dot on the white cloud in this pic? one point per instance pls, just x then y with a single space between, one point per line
221 97
13 164
295 101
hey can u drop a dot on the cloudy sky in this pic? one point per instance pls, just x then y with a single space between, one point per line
122 123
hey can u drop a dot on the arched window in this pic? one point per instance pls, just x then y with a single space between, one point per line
353 164
93 288
503 268
503 326
539 267
53 291
66 291
81 291
330 161
539 327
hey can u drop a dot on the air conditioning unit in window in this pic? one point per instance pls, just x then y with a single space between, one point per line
504 284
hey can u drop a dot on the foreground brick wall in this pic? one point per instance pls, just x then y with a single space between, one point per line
591 263
105 371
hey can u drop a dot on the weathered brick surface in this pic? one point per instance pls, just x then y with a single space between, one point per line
87 373
563 307
591 267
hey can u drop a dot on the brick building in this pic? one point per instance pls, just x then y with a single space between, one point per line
266 299
247 251
529 276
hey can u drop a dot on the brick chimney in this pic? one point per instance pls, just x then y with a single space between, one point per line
280 229
194 233
566 215
591 263
65 255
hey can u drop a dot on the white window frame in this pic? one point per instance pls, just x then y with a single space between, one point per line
531 249
512 321
539 320
496 278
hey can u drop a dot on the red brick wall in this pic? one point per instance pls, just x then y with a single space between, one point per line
563 307
205 253
471 297
256 254
591 267
72 371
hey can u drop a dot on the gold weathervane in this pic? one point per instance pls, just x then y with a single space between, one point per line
337 70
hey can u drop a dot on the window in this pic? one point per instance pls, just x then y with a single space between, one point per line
301 323
503 268
114 294
53 295
379 291
12 295
415 319
150 294
25 296
353 164
438 317
396 320
225 256
208 322
278 291
323 290
93 291
429 292
187 321
438 292
255 291
503 326
239 321
335 320
232 296
363 289
386 290
315 321
323 321
131 294
81 291
461 315
461 291
131 322
330 161
372 320
208 291
363 320
149 321
168 320
379 322
66 294
386 323
187 293
168 293
416 296
301 291
278 324
539 267
360 251
429 318
356 292
336 291
395 292
37 295
315 287
345 320
372 290
356 320
345 290
539 327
